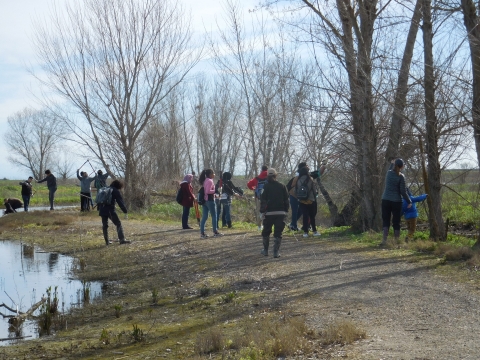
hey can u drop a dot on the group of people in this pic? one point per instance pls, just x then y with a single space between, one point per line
100 179
215 199
12 204
273 201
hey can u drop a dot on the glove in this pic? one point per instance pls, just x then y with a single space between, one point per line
126 216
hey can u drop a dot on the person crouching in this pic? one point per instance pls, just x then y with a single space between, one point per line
274 206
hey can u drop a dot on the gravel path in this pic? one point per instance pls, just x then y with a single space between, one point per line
407 311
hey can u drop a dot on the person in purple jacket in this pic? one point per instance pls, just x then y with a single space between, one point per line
411 213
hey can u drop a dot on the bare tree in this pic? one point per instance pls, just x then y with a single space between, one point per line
437 225
33 137
114 62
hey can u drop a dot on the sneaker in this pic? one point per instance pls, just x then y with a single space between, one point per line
108 242
316 233
217 234
305 235
203 236
125 242
187 228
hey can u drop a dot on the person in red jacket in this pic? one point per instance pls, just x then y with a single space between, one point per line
188 199
256 184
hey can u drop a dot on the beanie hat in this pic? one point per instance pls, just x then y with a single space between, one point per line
399 163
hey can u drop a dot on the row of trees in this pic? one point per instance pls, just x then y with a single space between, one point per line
351 82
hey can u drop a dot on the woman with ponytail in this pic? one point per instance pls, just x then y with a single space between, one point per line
206 179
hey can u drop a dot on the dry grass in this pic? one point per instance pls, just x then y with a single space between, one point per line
36 218
209 341
342 332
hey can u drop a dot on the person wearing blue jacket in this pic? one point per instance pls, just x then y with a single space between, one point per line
108 212
411 213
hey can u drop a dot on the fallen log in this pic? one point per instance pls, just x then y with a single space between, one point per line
22 316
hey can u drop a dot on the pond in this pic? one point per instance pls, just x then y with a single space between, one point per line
26 272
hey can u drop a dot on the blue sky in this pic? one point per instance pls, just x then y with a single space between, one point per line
18 89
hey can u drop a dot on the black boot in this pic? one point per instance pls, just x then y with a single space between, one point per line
266 243
105 236
276 247
229 224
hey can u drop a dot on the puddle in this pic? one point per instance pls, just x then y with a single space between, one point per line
41 208
25 274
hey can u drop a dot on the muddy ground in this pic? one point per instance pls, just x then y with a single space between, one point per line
410 306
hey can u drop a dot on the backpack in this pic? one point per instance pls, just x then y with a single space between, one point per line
201 196
179 196
301 190
104 196
260 185
290 184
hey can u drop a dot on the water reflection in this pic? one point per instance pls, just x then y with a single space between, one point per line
26 273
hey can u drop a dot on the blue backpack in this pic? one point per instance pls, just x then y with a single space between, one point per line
260 185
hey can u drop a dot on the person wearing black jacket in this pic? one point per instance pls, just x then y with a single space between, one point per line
108 212
26 192
51 185
228 191
274 206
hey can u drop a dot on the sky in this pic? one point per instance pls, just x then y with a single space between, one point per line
18 88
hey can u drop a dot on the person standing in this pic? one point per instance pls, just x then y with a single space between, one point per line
307 204
228 191
206 179
26 192
188 198
101 179
107 211
294 204
51 185
274 207
256 184
85 194
393 193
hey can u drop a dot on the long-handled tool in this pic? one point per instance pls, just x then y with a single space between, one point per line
197 212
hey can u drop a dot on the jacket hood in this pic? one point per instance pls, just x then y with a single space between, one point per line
263 175
226 176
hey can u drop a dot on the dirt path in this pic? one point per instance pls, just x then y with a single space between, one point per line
407 311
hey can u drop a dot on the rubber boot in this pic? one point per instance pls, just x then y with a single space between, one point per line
385 236
266 243
276 247
396 234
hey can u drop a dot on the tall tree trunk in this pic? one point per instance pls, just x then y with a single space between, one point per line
437 225
470 20
398 116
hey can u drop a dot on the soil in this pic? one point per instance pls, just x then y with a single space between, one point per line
409 305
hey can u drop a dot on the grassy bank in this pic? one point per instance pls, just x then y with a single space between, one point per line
68 193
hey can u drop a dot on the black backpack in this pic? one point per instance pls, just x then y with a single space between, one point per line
301 190
179 196
201 196
104 196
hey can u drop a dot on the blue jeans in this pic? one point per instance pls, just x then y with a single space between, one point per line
26 202
185 214
297 211
209 206
226 218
